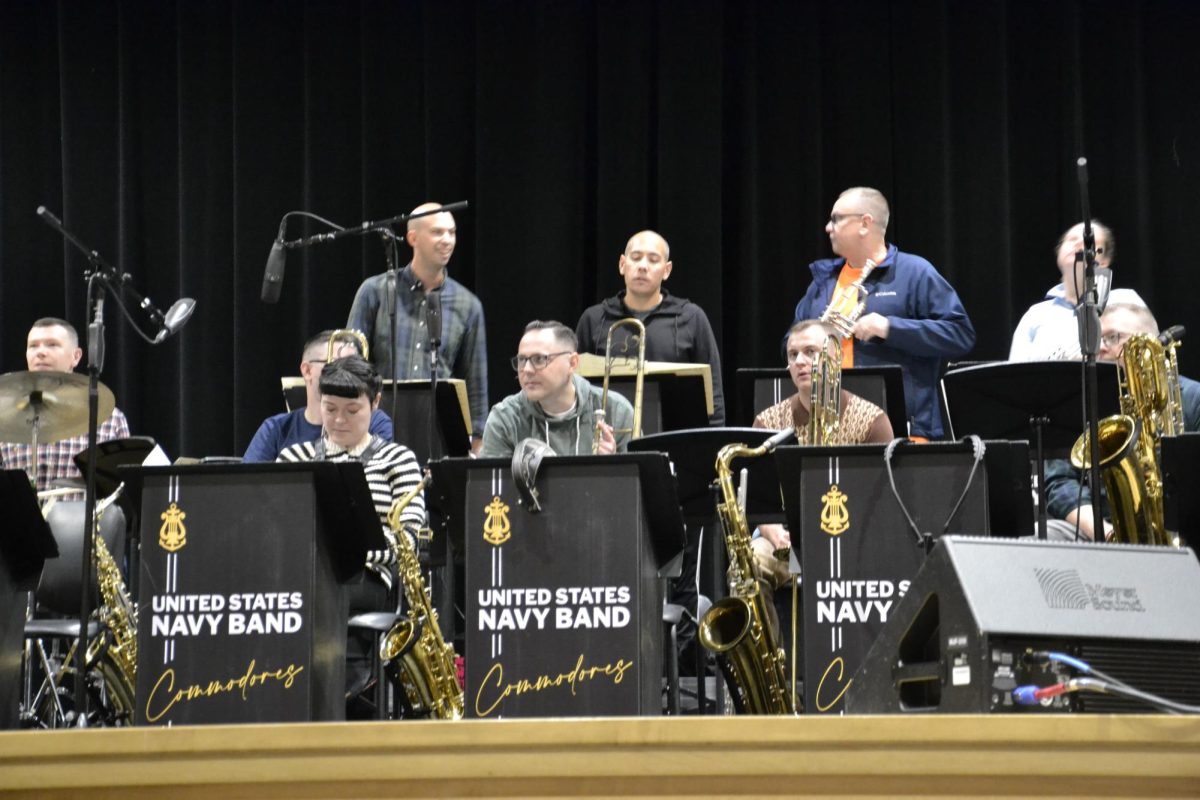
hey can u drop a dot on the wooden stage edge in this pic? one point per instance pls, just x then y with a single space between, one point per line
894 756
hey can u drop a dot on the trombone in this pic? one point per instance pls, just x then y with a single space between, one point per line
346 336
610 359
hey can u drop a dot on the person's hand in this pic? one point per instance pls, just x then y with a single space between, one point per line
777 535
1083 517
608 442
871 326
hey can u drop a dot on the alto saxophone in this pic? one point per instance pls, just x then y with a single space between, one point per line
741 630
1128 443
854 296
115 656
415 655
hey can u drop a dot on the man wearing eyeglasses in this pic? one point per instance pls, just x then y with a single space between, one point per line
913 317
556 405
304 424
1049 331
1068 502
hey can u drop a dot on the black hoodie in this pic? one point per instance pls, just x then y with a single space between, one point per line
676 330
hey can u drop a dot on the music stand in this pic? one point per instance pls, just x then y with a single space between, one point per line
693 455
883 386
1181 503
111 455
1038 400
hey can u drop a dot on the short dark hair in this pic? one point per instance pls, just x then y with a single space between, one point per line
350 377
49 322
564 335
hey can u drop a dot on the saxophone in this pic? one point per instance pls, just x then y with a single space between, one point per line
415 655
114 655
1128 443
854 296
741 630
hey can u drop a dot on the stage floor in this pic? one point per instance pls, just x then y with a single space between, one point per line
949 756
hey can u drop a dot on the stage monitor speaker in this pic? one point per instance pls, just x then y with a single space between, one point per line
957 642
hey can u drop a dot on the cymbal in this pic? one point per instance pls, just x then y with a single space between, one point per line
60 400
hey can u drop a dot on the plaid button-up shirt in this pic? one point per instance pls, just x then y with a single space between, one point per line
56 459
463 351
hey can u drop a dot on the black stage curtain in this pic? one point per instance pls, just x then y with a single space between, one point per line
172 136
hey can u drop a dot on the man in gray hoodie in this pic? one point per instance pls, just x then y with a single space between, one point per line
555 405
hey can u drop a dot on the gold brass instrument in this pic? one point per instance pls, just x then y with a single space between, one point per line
345 336
609 359
114 655
1148 376
853 294
742 630
416 657
825 397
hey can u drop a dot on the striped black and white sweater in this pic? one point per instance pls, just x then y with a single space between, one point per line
392 471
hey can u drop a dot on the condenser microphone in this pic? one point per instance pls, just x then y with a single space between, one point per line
273 276
1171 334
1103 278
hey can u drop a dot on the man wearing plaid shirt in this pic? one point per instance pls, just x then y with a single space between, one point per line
463 350
53 346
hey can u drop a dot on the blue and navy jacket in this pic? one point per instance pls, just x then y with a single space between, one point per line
927 323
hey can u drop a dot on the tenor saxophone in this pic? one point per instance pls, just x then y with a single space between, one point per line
741 629
114 655
416 657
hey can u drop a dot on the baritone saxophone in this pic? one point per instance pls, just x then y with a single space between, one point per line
416 657
1129 442
741 630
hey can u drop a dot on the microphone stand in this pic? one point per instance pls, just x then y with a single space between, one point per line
100 277
391 289
1089 346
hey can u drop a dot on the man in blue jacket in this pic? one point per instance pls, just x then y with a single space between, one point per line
912 318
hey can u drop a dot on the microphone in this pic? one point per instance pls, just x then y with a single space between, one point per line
273 275
1103 278
433 316
175 318
1171 334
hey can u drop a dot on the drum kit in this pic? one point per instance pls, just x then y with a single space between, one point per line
38 408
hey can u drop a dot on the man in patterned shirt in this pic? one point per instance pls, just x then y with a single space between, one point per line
861 422
463 350
53 346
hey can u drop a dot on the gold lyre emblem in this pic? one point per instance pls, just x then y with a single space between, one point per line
835 518
496 528
172 536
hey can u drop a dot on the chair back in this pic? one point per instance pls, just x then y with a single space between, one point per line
58 590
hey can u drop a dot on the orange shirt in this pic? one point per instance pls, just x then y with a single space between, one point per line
844 303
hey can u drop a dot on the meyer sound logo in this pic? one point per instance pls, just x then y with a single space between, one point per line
1064 588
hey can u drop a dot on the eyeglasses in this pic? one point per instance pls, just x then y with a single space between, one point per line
1112 339
835 219
538 361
